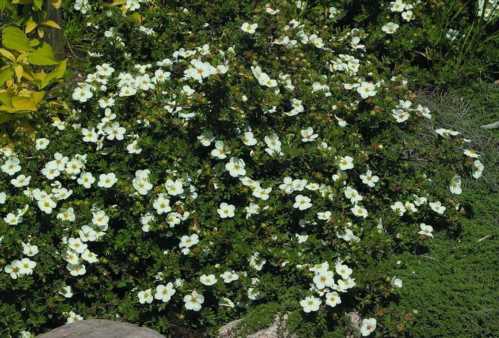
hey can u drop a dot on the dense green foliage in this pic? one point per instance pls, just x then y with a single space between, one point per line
234 158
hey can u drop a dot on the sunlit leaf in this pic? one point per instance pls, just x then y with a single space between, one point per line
43 56
14 38
30 25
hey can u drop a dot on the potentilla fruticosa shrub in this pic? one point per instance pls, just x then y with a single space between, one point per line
220 156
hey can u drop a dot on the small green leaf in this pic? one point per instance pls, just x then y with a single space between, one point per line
14 38
6 74
38 4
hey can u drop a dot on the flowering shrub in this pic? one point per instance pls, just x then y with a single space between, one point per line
433 42
219 156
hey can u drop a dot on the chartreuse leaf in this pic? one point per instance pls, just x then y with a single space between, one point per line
56 74
38 4
30 25
3 4
43 56
24 101
6 73
14 38
51 24
8 55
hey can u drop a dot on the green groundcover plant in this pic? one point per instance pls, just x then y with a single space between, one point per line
220 156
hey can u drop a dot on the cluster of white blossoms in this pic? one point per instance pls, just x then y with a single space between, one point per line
324 285
406 12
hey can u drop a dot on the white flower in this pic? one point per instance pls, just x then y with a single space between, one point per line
77 245
76 270
308 135
89 135
367 326
343 270
399 208
229 276
256 262
220 150
235 167
437 207
72 317
262 193
3 197
11 166
273 145
359 211
366 89
478 168
145 296
193 301
324 279
390 28
174 188
66 292
29 250
249 139
208 280
46 205
369 179
20 181
263 78
426 230
333 299
455 185
396 282
249 28
310 304
100 219
89 256
188 241
324 216
471 153
115 132
83 93
26 334
446 132
13 269
141 183
302 202
199 70
226 210
162 204
26 266
353 195
12 218
345 163
164 293
107 180
67 215
41 143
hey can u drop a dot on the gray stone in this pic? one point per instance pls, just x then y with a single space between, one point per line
278 329
99 328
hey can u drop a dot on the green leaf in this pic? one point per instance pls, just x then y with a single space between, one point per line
6 74
14 38
38 4
54 75
3 5
43 56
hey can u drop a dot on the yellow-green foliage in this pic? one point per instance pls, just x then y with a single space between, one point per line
27 65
